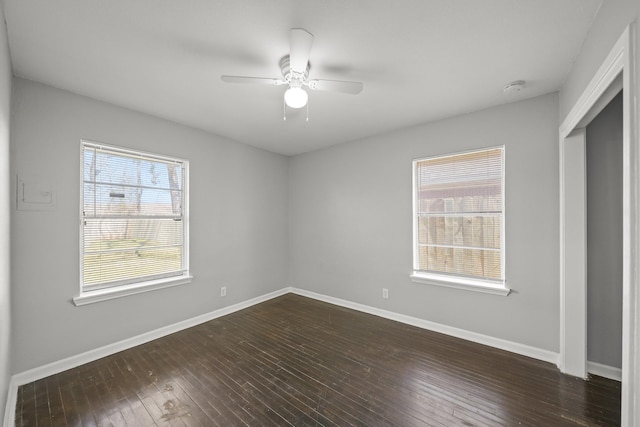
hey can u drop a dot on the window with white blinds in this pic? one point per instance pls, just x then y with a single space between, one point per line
459 217
134 226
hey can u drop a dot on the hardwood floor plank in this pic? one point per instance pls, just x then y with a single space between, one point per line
299 362
351 370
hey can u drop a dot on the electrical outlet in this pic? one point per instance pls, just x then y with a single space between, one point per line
223 291
385 293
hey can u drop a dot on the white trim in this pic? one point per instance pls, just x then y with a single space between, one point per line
12 401
604 100
95 354
98 353
133 153
513 347
604 77
458 282
604 371
89 356
573 311
630 414
104 294
621 59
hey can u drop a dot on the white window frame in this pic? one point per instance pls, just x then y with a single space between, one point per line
496 287
92 293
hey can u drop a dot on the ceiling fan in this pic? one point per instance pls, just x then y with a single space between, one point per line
295 73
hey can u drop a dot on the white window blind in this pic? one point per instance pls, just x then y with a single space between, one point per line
133 217
459 215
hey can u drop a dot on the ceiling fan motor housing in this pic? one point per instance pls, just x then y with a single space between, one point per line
291 76
295 73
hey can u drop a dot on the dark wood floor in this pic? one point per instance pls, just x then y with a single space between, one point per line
296 361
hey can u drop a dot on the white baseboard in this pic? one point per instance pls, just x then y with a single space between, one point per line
98 353
522 349
604 371
10 409
91 355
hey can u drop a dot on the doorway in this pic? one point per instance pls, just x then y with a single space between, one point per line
617 67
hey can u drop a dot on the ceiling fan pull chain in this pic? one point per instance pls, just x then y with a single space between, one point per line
307 112
284 110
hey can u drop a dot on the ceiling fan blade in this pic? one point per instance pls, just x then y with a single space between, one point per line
337 86
252 80
299 49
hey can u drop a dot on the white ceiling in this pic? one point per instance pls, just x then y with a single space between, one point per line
420 60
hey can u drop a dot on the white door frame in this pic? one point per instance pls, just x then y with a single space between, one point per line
620 61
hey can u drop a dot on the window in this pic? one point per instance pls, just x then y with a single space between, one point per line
458 204
134 226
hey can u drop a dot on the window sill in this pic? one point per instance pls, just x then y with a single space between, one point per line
98 295
460 283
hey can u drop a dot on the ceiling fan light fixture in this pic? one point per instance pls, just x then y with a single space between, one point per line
296 97
295 74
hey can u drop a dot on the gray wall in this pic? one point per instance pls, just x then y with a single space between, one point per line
5 203
604 236
351 222
238 218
